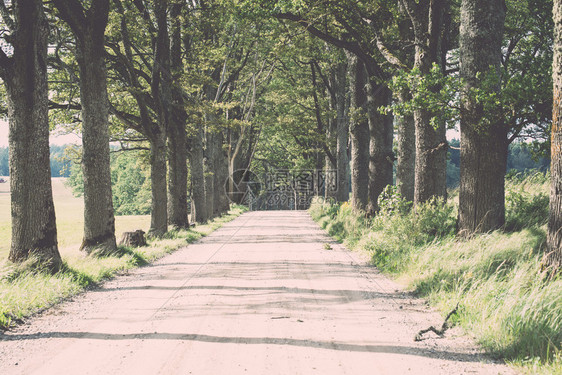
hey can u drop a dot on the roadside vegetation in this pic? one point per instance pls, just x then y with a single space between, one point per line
506 299
26 289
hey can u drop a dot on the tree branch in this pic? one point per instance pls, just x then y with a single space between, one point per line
72 13
6 17
352 47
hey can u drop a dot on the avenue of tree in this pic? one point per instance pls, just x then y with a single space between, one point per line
208 87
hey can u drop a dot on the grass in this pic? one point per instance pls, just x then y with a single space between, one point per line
24 290
505 299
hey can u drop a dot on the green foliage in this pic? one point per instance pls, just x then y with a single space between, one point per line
130 179
436 92
392 202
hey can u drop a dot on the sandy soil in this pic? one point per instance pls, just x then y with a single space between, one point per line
262 295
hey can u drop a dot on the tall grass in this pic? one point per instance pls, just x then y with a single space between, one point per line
25 290
504 297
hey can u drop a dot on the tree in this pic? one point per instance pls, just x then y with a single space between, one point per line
553 258
177 136
88 26
34 231
483 131
359 138
427 19
353 28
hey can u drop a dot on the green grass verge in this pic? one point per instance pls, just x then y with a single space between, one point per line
505 299
24 290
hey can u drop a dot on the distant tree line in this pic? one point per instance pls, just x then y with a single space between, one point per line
521 158
60 164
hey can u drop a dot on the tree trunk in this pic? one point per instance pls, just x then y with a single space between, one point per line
359 139
483 135
198 202
159 213
177 137
89 30
431 143
222 203
161 92
553 258
99 222
177 182
331 178
406 166
34 229
342 132
209 170
381 156
431 159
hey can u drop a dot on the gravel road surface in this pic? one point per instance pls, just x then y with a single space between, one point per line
261 295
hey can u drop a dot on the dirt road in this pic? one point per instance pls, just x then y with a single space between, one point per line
262 295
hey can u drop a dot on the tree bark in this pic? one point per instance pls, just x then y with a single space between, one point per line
208 164
159 213
483 135
161 92
177 136
34 231
406 166
553 258
89 29
198 201
342 132
99 222
329 167
222 203
381 156
359 139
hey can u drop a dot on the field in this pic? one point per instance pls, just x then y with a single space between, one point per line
70 219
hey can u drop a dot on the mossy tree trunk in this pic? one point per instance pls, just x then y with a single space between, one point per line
198 201
177 136
88 26
483 134
381 156
34 229
342 131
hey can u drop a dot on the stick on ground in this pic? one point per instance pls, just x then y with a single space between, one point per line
438 332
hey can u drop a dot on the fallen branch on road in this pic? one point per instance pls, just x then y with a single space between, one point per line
438 332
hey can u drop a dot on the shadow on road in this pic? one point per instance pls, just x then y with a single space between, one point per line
369 348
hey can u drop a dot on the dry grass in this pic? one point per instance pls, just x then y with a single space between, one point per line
70 219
